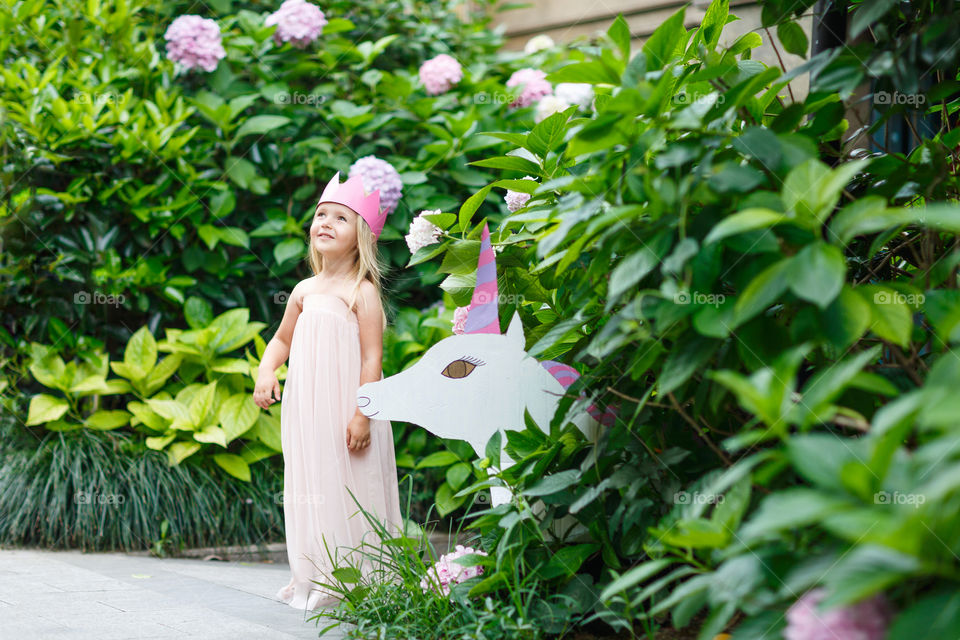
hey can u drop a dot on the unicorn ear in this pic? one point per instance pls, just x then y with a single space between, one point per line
515 331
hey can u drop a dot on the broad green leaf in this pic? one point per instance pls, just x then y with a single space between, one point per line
846 318
211 434
234 465
746 220
238 414
684 360
260 124
103 420
817 273
793 38
438 459
473 203
891 318
553 483
791 509
45 408
762 291
179 451
140 355
714 21
665 41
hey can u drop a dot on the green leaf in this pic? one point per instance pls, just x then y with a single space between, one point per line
684 360
665 42
201 404
553 483
493 449
619 32
827 385
211 434
891 318
762 291
633 268
234 465
866 570
592 72
140 355
458 474
847 317
567 560
260 124
347 575
817 273
179 451
446 503
288 250
791 509
863 215
800 188
793 38
742 221
866 13
472 204
548 133
438 459
106 420
714 21
934 617
512 163
238 414
633 577
45 408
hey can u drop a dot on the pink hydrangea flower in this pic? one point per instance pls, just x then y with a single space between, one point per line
422 232
445 573
379 174
533 86
298 22
864 620
440 73
460 318
517 199
194 41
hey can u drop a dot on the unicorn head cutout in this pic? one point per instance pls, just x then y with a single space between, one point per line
470 385
351 194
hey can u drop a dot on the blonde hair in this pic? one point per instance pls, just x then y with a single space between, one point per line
366 267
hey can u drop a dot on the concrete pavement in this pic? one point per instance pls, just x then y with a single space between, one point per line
47 595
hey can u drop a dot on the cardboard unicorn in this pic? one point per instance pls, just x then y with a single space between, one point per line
470 385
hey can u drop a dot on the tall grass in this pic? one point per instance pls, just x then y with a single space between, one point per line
92 490
378 584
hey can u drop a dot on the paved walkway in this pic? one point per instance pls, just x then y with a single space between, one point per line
47 595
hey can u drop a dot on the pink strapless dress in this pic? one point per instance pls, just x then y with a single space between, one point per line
318 401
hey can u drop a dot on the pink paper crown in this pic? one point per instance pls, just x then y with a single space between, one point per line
352 194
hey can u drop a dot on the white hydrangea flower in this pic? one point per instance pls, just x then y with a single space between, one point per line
538 43
517 199
578 93
548 106
422 232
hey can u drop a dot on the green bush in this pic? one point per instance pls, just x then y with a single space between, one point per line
774 319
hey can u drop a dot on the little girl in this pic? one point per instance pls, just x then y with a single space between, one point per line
332 330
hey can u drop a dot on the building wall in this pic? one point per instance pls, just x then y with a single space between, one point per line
567 21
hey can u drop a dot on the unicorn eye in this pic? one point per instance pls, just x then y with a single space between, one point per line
459 369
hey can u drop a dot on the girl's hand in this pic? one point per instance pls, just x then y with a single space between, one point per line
358 433
267 390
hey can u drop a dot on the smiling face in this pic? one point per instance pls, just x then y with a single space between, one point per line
334 229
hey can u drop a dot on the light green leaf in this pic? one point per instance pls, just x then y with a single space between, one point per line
45 408
234 465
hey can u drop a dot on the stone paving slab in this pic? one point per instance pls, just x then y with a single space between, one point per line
47 595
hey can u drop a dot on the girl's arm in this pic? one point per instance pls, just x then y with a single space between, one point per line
278 349
370 320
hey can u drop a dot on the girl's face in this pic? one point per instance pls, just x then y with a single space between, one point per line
334 229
